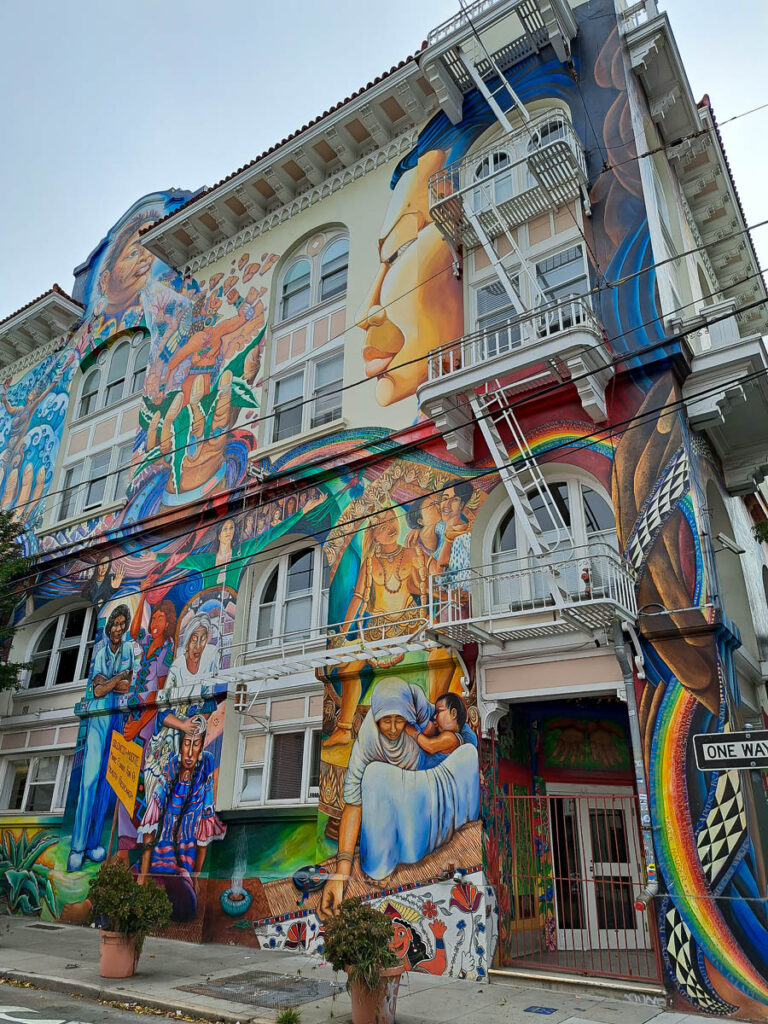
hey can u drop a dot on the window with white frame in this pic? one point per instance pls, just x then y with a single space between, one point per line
497 318
36 784
62 651
319 381
563 274
307 340
293 601
585 513
96 480
495 177
280 767
119 372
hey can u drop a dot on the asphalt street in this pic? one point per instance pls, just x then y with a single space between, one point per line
21 1005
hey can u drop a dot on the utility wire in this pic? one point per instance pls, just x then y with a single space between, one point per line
609 285
269 555
389 440
583 441
661 148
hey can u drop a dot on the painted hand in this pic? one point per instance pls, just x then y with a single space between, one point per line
333 894
570 746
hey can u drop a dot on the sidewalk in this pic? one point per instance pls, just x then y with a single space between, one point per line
261 982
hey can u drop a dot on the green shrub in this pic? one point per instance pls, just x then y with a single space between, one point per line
358 939
289 1017
127 907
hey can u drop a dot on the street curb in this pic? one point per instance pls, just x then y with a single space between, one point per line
97 993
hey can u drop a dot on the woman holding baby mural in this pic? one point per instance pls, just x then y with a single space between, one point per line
411 782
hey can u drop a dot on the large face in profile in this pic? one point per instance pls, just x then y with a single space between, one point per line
415 302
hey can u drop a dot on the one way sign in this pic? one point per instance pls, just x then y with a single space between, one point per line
731 750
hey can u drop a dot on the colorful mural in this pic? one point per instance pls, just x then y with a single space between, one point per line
402 796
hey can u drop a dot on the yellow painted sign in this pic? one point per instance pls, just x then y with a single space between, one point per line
123 770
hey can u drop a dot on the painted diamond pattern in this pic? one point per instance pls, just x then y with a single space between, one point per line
725 828
682 956
658 508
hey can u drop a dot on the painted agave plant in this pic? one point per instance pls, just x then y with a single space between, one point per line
25 885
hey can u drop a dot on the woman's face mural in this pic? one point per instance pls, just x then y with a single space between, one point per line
415 302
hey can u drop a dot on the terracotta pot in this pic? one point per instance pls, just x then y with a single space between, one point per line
376 1006
119 955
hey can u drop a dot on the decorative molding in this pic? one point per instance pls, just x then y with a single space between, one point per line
35 356
337 181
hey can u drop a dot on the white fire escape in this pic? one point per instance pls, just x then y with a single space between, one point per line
474 380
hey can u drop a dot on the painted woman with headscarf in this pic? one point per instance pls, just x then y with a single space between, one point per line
180 822
184 695
401 803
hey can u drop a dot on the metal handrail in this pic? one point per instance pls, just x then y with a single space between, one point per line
453 181
375 630
585 574
636 14
517 332
465 17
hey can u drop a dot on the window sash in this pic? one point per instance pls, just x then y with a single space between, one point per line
288 408
68 659
329 377
25 792
98 479
563 274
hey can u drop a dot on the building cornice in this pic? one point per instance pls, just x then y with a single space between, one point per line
402 144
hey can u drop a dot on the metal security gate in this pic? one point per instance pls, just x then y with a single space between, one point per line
570 870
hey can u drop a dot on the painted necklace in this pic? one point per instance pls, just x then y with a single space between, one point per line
396 573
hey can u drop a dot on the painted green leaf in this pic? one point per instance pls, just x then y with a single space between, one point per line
181 433
41 842
243 395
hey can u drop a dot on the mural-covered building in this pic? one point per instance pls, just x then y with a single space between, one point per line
393 510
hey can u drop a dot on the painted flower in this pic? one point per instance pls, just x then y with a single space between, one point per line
461 925
297 935
428 909
465 897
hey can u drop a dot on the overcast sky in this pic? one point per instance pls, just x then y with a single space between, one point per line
101 102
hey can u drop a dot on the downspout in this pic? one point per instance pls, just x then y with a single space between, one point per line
651 887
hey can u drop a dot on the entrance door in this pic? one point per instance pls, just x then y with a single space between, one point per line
596 868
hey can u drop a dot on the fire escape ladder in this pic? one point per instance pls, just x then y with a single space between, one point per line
484 215
472 60
544 529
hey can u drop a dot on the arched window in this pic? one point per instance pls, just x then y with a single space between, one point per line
118 367
118 373
89 392
292 604
297 289
333 269
500 187
587 515
140 368
61 653
308 352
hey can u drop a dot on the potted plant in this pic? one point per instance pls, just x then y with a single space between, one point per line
357 941
126 913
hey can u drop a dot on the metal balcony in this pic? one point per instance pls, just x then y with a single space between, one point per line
539 177
491 35
550 345
258 661
726 394
575 590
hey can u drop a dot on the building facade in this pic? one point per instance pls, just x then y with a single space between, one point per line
393 510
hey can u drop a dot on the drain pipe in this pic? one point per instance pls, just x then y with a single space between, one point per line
651 887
